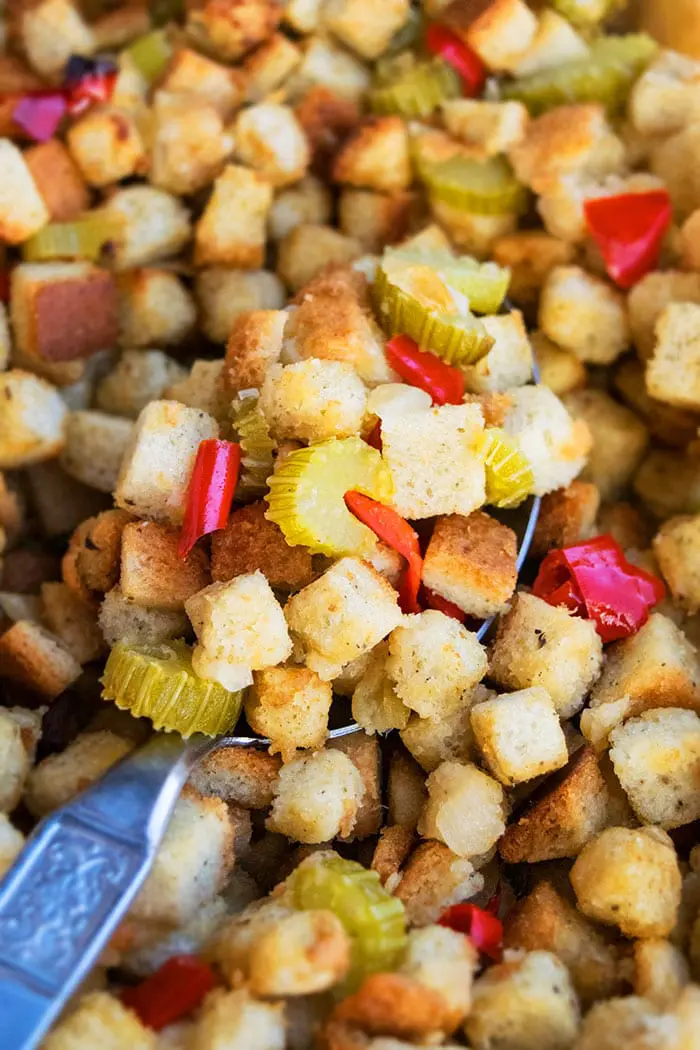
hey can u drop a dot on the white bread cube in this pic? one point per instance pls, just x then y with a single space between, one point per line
673 373
660 971
122 620
14 762
445 962
60 777
317 797
620 440
289 706
435 878
508 362
341 615
656 759
432 660
267 69
445 739
672 161
240 628
499 31
375 704
203 388
584 314
666 97
231 29
270 139
375 156
100 1019
94 448
51 32
466 809
675 427
225 294
303 16
313 400
155 309
155 226
648 299
107 146
560 370
332 67
363 27
138 377
191 73
629 878
302 954
190 143
231 230
490 127
72 620
32 419
309 201
540 645
11 842
308 249
159 460
237 1021
555 43
677 555
22 208
376 219
519 735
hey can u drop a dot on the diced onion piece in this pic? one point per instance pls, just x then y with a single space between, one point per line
415 91
481 187
150 54
257 446
84 238
509 477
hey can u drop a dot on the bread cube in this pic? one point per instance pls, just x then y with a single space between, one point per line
255 343
308 201
94 448
376 219
625 524
376 705
341 615
674 549
60 777
240 628
308 249
250 542
122 620
270 139
365 754
499 31
391 1003
317 797
362 28
192 863
22 208
406 792
229 1020
138 377
584 314
11 842
445 739
675 427
303 16
666 97
375 156
620 440
528 1004
14 763
231 29
51 32
90 565
289 705
488 127
231 230
193 74
313 400
224 295
326 65
32 419
153 574
434 879
673 373
650 297
455 789
508 362
159 460
327 116
629 878
190 143
242 776
304 953
107 146
660 971
519 735
555 43
672 161
669 483
100 1019
5 340
555 444
73 621
154 225
270 66
567 516
202 388
689 243
155 309
560 370
445 962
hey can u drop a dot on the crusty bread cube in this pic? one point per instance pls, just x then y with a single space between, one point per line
60 777
152 572
519 735
100 1019
138 377
308 249
317 797
666 97
432 660
303 16
230 1020
488 127
107 146
620 440
240 628
555 444
560 370
159 459
528 1004
73 621
689 243
232 28
94 448
192 863
242 776
22 208
231 230
445 962
342 614
649 298
391 1003
191 73
202 388
626 524
629 878
122 620
269 67
375 219
326 65
232 948
669 483
447 738
14 763
434 879
249 542
155 309
313 400
456 789
508 362
333 321
328 117
660 971
544 646
656 759
675 552
51 32
555 43
498 30
225 294
584 314
90 565
270 139
32 419
308 201
375 156
11 842
290 706
406 792
190 143
675 427
154 225
255 343
673 373
365 753
362 27
303 953
672 161
472 562
567 516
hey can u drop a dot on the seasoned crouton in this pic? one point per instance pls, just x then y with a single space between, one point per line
72 620
364 751
250 542
90 566
100 1019
225 294
524 1004
60 777
189 73
231 230
362 27
106 146
202 388
666 97
138 377
675 552
395 1004
32 419
328 117
498 30
454 788
255 343
190 143
629 878
11 842
159 459
326 65
626 524
375 156
122 620
308 249
152 572
672 426
555 43
393 847
508 362
232 28
229 1020
52 31
313 400
14 762
304 953
317 797
519 735
672 161
444 961
242 776
13 509
289 705
37 660
376 705
660 971
341 615
270 139
560 370
584 314
269 67
669 483
447 738
631 1022
406 791
155 309
58 180
650 297
545 921
376 219
309 201
555 444
620 440
434 879
232 948
95 445
488 127
567 516
63 311
154 225
673 373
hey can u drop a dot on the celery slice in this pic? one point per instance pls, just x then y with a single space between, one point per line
484 284
416 91
481 187
257 447
151 54
509 477
85 238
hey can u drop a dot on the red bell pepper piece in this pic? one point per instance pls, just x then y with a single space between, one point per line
173 991
435 601
398 534
39 114
594 580
629 230
482 927
443 42
443 382
88 81
210 491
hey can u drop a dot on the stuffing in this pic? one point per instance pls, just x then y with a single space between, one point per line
488 127
674 549
555 43
648 300
308 201
231 949
122 620
445 962
22 208
328 117
138 377
100 1019
447 738
375 156
660 971
94 448
317 796
433 879
270 139
634 1023
567 516
629 878
90 565
672 373
390 1004
242 776
303 16
364 752
361 27
72 620
14 762
666 97
106 146
669 483
531 255
192 74
672 160
519 735
620 440
342 614
524 1004
36 660
672 426
155 309
254 344
304 953
325 65
231 230
308 249
584 314
453 789
376 219
157 463
224 295
232 28
406 791
202 388
249 542
376 705
11 842
290 706
51 31
498 30
32 420
190 143
154 225
240 628
508 362
13 507
393 847
313 400
560 370
60 777
237 1021
269 67
152 572
626 524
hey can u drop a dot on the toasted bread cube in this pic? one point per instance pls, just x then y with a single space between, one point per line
193 74
153 574
249 542
375 156
255 343
138 377
240 628
581 313
155 226
453 789
159 459
303 953
237 1021
675 552
625 524
489 127
666 97
364 752
242 776
406 791
303 16
51 32
73 621
519 735
32 419
225 294
673 373
675 427
289 705
660 971
656 667
313 400
344 613
60 777
270 139
555 43
689 243
470 231
232 229
100 1019
14 762
375 219
326 65
233 28
309 201
499 31
94 448
155 309
192 863
620 440
629 878
567 516
560 370
317 797
672 161
334 322
202 388
669 483
528 1004
269 67
90 565
508 362
106 146
190 143
650 297
432 660
545 921
308 249
11 842
122 620
445 962
22 208
433 880
327 116
445 739
391 1003
361 27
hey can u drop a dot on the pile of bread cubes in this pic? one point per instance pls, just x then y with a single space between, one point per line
252 192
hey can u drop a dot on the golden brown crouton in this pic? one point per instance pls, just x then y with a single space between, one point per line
59 777
434 879
269 66
660 971
107 146
364 28
22 209
394 1004
406 789
270 139
668 483
100 1019
95 445
376 219
115 28
290 706
327 118
155 309
231 230
255 343
676 551
307 201
364 752
671 425
393 847
567 516
225 294
122 620
650 297
189 73
138 377
672 161
488 127
154 225
153 573
519 735
243 776
308 249
619 437
52 31
673 373
582 313
90 566
301 954
32 419
375 156
317 796
58 180
37 660
626 524
250 542
72 620
498 30
454 789
190 143
233 27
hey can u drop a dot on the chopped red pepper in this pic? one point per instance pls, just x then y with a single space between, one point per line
435 601
88 81
173 991
210 492
39 113
443 42
398 534
420 368
594 580
629 230
481 926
